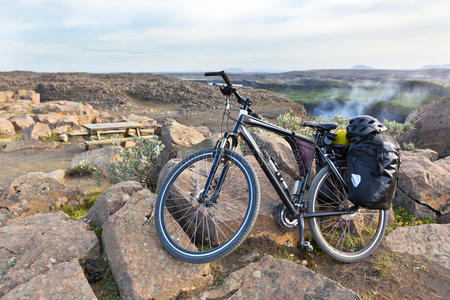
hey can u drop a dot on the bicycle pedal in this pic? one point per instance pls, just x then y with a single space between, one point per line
307 246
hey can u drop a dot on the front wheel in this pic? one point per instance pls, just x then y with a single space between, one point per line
196 228
346 238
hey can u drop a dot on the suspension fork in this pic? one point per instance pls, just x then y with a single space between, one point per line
220 148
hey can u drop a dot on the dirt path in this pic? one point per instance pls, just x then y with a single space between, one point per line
20 162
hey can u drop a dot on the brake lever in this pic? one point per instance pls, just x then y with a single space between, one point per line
226 90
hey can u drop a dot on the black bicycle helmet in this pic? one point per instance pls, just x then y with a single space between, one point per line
362 126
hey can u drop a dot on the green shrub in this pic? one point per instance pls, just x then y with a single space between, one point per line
80 170
394 128
408 146
80 211
338 119
294 123
136 163
52 138
403 218
289 122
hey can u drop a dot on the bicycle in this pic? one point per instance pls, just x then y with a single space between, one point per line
209 202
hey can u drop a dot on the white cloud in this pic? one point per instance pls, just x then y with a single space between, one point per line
106 35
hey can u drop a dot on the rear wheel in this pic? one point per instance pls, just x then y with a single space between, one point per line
199 230
346 238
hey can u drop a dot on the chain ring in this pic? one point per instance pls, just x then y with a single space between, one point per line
282 219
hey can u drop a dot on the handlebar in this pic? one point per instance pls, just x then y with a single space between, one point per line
220 73
229 90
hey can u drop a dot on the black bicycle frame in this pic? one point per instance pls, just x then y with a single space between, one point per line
240 129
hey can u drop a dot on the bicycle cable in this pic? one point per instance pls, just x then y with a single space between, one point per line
227 105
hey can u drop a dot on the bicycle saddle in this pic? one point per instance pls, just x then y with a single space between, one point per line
320 126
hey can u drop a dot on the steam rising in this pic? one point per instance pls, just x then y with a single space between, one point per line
363 97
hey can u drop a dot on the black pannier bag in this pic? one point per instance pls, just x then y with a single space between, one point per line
373 164
303 152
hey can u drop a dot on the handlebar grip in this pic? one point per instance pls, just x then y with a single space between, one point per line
213 74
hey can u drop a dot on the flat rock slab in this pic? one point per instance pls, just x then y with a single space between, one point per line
273 278
430 240
35 244
64 281
141 268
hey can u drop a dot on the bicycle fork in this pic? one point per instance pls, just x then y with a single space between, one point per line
219 154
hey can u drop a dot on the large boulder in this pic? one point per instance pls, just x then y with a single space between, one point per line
17 107
36 131
30 95
432 128
64 107
49 119
100 158
424 185
138 119
6 128
37 192
139 264
34 245
280 151
22 121
273 278
60 130
179 141
111 200
63 281
73 122
6 96
430 240
206 143
179 135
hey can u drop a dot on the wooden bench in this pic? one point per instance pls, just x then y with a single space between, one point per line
103 132
78 134
95 134
116 140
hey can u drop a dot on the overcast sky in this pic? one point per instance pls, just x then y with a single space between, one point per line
197 35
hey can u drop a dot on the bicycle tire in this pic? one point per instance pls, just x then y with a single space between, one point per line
367 225
189 250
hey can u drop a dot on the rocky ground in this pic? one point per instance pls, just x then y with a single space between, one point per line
113 252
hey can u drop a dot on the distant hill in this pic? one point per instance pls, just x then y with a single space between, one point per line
234 70
362 67
446 66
